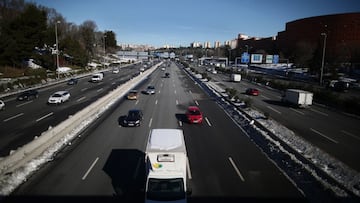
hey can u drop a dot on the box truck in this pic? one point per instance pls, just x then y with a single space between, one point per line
235 77
296 97
166 166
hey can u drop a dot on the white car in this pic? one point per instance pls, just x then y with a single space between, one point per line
59 97
115 71
2 105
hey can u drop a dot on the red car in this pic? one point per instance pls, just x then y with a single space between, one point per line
252 91
194 115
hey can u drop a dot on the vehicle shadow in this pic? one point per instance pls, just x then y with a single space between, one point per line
121 120
276 102
181 117
126 168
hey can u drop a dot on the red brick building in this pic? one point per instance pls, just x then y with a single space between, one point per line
342 36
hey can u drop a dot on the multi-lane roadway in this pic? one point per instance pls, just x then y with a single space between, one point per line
332 131
108 162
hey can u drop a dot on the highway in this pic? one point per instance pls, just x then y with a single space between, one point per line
332 131
107 162
21 121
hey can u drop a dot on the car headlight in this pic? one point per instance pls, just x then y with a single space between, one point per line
137 121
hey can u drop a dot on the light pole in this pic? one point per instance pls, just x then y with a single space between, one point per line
57 49
323 58
104 49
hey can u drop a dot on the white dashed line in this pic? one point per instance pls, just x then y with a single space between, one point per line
84 89
236 169
150 122
174 91
265 97
13 117
156 102
137 101
350 134
299 112
22 104
99 90
319 112
177 102
91 167
80 99
180 123
197 103
319 133
47 115
207 120
273 109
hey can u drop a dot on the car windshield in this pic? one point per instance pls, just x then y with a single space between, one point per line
194 112
165 190
56 95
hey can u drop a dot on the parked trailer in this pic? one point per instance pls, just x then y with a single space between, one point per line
299 98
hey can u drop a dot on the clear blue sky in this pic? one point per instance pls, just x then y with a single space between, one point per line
180 22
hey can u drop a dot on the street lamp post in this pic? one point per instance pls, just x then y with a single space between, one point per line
57 49
323 58
104 49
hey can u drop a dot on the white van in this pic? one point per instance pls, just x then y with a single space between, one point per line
97 77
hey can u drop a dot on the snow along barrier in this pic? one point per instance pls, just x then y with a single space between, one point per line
73 125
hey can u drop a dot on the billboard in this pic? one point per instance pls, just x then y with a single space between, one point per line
256 58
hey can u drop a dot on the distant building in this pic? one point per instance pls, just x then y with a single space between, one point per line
195 45
217 44
207 45
342 35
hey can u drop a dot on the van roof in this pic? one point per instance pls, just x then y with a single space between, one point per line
161 140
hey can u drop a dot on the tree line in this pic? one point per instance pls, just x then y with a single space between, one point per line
28 31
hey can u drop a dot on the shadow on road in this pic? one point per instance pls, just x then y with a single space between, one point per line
126 168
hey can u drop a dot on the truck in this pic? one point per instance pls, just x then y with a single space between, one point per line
235 77
297 97
166 166
97 77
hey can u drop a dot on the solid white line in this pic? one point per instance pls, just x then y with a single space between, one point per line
319 112
13 117
188 168
319 133
99 90
92 166
236 169
299 112
150 122
196 102
274 109
82 98
350 134
84 89
47 115
22 104
207 120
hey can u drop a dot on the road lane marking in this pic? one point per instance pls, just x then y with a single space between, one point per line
196 102
350 134
99 90
22 104
321 134
174 91
156 102
180 123
299 112
190 92
177 102
265 97
274 109
47 115
13 117
82 98
150 122
113 83
188 168
236 169
137 101
207 120
84 89
91 167
319 112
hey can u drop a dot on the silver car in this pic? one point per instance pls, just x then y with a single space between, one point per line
59 97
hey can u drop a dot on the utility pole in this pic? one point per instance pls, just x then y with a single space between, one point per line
323 58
